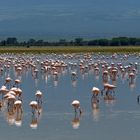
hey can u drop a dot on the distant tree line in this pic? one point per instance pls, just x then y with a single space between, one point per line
118 41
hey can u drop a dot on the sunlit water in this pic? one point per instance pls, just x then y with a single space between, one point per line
115 120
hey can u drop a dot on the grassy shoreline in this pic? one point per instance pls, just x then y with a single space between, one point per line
70 49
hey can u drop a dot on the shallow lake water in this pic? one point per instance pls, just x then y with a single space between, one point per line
117 119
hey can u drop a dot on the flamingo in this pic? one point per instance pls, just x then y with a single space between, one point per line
96 70
18 112
34 106
95 91
17 82
109 88
19 70
36 72
8 81
131 76
3 90
10 102
105 75
17 91
114 74
38 95
18 106
94 99
76 105
55 73
73 75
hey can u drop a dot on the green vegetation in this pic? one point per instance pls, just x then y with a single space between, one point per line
118 41
69 49
119 44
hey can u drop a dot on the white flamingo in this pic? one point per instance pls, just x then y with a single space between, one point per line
38 95
34 107
76 106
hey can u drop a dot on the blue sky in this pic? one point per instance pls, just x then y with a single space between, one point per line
56 19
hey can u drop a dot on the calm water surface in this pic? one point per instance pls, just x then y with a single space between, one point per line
115 120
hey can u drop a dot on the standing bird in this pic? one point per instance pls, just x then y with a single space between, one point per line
105 76
18 112
18 92
38 95
35 114
18 106
17 82
34 107
73 76
132 79
76 106
8 81
10 102
95 99
109 88
3 91
95 91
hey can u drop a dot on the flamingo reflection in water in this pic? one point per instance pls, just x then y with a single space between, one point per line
96 111
10 116
34 122
95 107
76 122
77 116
